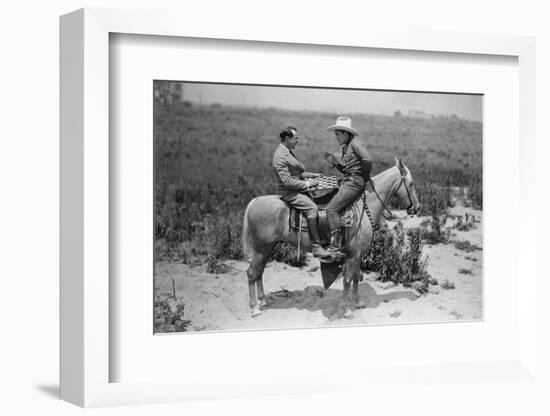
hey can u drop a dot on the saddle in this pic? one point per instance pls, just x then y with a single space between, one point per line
298 221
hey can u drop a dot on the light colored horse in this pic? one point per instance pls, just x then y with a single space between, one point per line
266 223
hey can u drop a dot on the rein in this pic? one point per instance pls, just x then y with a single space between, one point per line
376 226
384 206
391 215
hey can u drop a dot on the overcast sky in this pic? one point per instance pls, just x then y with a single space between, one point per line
338 101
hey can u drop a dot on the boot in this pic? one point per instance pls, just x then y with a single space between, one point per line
335 243
316 249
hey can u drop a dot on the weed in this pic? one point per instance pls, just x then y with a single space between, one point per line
432 231
466 246
169 318
395 314
446 284
465 223
396 259
476 191
214 266
288 254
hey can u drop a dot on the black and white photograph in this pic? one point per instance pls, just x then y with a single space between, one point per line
280 207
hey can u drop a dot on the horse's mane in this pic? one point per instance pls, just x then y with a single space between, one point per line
378 176
384 172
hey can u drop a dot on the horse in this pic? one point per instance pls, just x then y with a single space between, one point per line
266 222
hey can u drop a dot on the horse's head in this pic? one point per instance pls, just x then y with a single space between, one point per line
406 191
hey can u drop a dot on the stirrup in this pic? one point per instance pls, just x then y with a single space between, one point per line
334 256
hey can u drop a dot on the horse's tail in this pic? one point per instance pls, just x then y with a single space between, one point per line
246 231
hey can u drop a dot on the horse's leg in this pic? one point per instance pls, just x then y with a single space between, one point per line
255 283
348 313
359 304
260 283
351 272
345 304
254 272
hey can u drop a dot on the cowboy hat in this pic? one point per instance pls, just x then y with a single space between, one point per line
343 123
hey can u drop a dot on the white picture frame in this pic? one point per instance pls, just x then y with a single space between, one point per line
85 355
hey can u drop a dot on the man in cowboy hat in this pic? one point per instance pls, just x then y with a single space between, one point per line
293 180
356 166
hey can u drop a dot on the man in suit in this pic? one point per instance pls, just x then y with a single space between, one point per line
293 180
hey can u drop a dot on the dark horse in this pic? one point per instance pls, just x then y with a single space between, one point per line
266 223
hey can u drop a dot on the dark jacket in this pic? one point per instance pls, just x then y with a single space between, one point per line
356 160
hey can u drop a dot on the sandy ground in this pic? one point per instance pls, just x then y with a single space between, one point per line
296 299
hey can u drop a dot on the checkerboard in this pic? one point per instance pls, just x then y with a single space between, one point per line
326 182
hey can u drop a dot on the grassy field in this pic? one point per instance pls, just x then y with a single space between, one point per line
210 161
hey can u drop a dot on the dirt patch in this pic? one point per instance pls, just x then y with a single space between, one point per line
296 298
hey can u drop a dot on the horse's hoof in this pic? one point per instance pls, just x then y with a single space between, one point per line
348 314
360 305
256 312
263 303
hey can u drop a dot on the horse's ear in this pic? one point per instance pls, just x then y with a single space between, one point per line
397 161
399 164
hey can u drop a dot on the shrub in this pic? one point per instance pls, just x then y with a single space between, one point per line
287 253
446 284
476 192
466 246
169 319
432 231
434 199
214 266
438 211
397 259
465 223
227 243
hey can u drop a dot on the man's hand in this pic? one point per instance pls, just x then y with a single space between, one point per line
308 175
334 162
330 158
312 183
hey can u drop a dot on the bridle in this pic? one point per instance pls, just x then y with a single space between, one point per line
403 182
376 225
